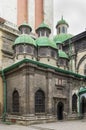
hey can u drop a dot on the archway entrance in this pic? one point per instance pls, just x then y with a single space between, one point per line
60 108
83 107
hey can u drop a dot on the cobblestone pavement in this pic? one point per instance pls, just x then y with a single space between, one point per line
67 125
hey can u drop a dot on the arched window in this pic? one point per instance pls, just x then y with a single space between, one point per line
85 69
28 49
74 103
39 101
25 30
43 52
53 53
15 100
42 32
21 49
63 29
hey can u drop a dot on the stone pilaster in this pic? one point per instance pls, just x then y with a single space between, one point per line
49 93
31 92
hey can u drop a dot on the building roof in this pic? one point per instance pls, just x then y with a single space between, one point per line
45 41
25 39
76 38
62 54
82 90
62 21
62 37
43 25
16 65
26 25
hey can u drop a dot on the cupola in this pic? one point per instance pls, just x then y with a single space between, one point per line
62 26
43 30
24 45
62 34
25 28
47 49
63 59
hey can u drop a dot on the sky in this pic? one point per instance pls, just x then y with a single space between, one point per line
8 10
74 12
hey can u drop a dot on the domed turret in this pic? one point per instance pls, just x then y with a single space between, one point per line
62 37
62 26
47 49
24 39
24 45
46 42
63 59
43 30
62 54
25 28
62 34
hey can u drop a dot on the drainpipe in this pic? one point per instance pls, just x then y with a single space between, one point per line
70 49
79 105
4 83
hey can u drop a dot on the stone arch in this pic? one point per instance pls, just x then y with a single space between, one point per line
15 101
80 61
39 101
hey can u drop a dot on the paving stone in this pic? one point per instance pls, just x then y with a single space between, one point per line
67 125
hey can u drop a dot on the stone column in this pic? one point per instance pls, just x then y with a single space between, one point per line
31 93
78 105
22 11
39 15
22 90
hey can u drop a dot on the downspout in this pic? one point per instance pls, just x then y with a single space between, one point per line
4 95
70 54
79 105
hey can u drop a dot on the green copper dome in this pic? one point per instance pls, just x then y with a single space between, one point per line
25 25
62 21
82 90
45 41
24 38
62 37
43 25
62 54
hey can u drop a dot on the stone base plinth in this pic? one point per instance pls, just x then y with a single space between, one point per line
30 119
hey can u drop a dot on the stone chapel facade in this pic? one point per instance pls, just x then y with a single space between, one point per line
42 83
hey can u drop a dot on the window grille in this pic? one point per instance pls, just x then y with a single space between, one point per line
39 101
